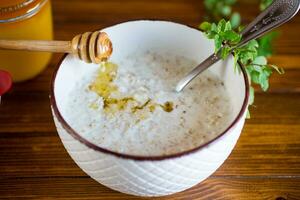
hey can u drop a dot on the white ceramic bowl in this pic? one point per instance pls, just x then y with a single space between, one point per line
161 175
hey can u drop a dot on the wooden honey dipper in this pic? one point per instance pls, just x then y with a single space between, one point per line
91 47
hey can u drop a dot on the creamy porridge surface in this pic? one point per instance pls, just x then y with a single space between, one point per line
131 107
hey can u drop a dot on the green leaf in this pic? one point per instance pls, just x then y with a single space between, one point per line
232 36
228 26
241 28
253 44
251 95
218 43
214 27
277 69
225 52
265 44
267 70
260 60
255 77
248 116
210 34
247 56
264 83
205 26
235 20
225 10
221 25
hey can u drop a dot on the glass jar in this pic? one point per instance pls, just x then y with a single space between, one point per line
26 20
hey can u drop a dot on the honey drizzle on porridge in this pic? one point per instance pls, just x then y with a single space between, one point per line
104 86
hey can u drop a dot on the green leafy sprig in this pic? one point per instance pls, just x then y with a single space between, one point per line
223 9
223 36
247 56
253 56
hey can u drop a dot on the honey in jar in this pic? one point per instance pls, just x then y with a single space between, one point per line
25 20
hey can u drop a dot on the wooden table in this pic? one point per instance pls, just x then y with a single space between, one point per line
265 164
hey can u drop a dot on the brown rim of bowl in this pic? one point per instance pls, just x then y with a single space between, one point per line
95 147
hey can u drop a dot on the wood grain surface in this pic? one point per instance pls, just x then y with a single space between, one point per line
265 164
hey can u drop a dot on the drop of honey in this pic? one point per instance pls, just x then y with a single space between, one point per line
168 106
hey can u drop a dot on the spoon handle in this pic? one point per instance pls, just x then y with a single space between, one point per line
278 13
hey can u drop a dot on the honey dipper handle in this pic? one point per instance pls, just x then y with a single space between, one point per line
37 45
91 47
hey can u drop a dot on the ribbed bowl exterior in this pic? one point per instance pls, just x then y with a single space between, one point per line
151 178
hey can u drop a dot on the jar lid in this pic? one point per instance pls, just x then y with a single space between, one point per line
11 11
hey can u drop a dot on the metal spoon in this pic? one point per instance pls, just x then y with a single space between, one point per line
278 13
